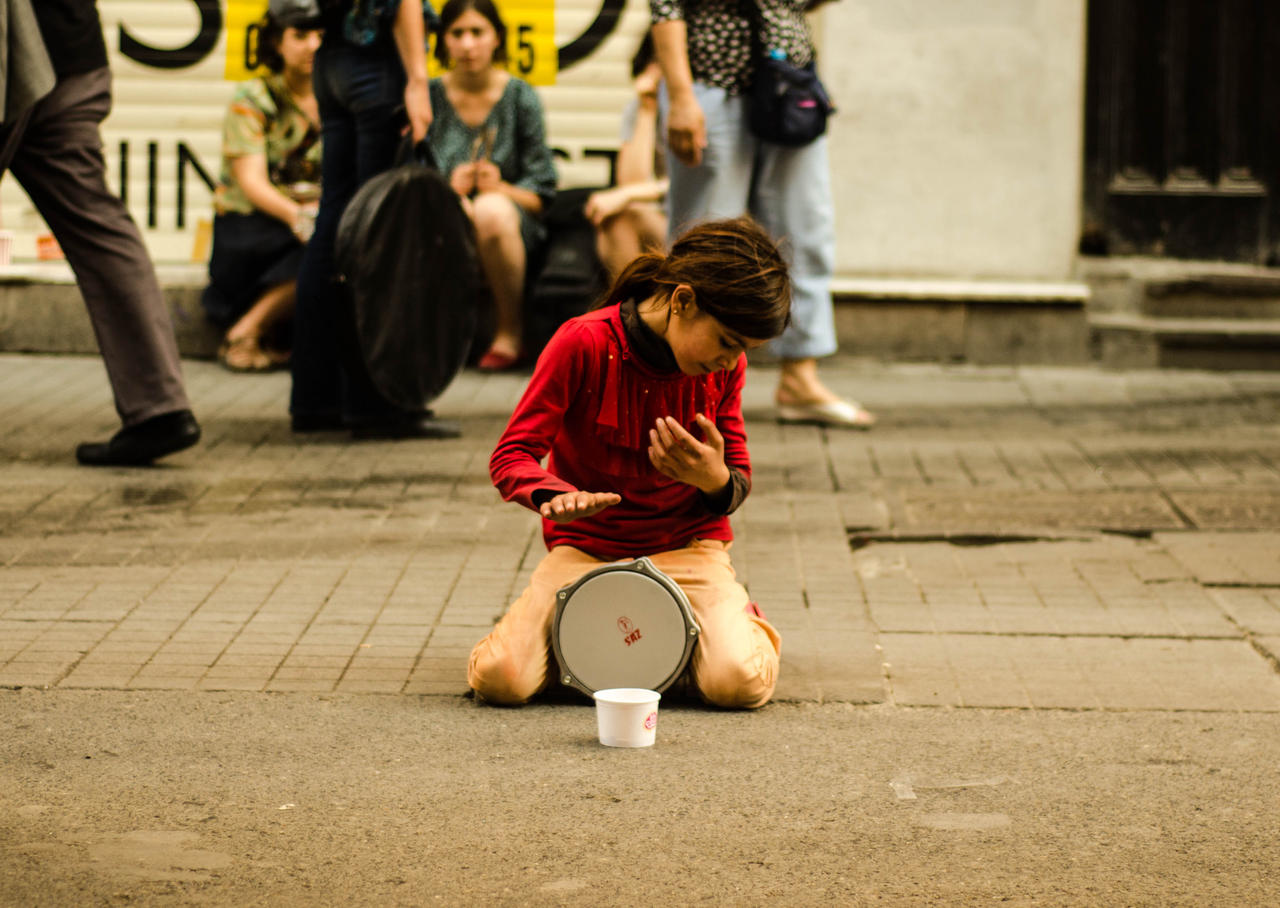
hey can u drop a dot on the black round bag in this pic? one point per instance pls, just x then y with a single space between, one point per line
406 251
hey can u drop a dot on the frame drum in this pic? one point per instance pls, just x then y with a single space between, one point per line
623 625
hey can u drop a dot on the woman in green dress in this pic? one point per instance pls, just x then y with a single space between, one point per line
488 137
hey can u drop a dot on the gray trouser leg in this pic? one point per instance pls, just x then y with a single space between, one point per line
59 162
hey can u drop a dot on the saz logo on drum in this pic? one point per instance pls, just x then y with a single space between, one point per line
630 633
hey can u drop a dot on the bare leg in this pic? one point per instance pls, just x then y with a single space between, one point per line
273 307
617 243
242 347
636 229
502 257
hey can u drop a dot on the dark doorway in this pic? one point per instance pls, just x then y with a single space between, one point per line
1181 129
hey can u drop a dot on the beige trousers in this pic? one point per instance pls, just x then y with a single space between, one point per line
735 663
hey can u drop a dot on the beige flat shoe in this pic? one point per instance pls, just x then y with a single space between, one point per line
836 414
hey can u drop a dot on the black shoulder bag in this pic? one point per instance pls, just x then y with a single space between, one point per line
788 104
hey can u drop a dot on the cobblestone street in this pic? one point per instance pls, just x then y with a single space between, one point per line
1031 537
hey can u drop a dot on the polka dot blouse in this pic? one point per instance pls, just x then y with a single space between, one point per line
719 36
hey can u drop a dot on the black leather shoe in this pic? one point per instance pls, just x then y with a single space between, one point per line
137 445
410 425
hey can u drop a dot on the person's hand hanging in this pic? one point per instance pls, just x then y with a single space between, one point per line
488 176
677 454
463 179
686 130
417 108
570 506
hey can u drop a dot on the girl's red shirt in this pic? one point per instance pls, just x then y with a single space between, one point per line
588 410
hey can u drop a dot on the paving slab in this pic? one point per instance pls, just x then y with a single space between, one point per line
265 561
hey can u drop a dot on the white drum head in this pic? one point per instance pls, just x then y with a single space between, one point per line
623 625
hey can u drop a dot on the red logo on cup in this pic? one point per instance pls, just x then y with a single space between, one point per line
650 721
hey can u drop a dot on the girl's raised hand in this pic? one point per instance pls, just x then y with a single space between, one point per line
572 505
675 453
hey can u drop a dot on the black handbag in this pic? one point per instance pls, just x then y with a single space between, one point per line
788 104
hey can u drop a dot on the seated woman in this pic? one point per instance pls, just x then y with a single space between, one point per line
267 196
488 137
629 217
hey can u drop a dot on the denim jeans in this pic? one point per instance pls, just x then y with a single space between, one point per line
788 190
358 91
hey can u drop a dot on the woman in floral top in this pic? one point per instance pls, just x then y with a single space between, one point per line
266 200
488 138
718 169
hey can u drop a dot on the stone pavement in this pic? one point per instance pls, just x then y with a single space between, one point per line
1026 538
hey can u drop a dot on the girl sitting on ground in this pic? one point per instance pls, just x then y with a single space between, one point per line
488 138
266 201
637 408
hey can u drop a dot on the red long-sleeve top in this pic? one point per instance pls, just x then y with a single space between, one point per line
588 410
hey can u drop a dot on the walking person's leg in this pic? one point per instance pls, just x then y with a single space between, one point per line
791 198
59 163
719 187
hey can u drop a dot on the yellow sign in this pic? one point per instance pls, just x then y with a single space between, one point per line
531 39
242 38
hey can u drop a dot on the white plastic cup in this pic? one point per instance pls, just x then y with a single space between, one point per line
627 716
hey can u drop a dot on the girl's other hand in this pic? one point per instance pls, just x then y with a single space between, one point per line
572 505
463 179
675 453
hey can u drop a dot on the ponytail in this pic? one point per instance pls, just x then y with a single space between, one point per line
638 281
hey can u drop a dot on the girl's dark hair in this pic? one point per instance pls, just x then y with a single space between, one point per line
737 274
269 34
644 54
455 8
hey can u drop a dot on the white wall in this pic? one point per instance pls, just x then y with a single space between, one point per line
956 151
957 148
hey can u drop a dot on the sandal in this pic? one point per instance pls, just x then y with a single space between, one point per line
242 354
835 414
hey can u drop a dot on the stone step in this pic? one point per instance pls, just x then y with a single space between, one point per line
981 322
41 310
1214 296
1137 341
985 322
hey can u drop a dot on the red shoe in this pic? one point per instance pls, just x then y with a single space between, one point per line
497 361
752 609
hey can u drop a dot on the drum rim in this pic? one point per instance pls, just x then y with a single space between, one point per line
641 565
